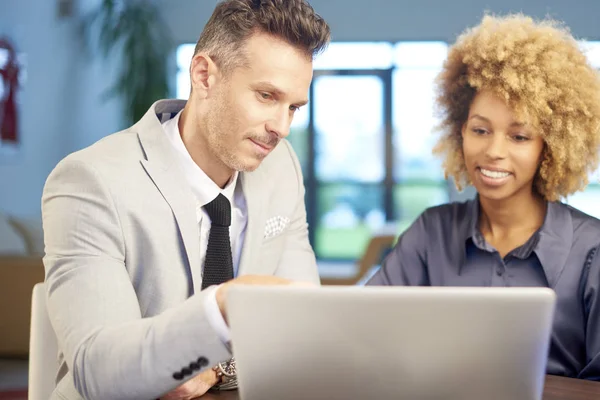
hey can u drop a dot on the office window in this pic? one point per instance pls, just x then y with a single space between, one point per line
347 190
361 104
418 176
355 56
183 56
588 200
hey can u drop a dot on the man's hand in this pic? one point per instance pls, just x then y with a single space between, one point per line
194 388
202 382
248 280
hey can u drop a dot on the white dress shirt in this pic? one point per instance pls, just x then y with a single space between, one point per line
205 191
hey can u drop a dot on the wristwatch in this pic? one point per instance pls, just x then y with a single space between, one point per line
227 374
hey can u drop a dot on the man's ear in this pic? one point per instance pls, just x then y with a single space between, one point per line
203 74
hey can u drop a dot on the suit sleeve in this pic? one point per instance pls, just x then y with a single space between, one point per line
112 352
406 264
298 260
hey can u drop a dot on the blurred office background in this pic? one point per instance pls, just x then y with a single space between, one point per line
364 141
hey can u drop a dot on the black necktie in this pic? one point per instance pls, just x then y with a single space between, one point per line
218 265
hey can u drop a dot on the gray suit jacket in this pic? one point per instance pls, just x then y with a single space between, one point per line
122 259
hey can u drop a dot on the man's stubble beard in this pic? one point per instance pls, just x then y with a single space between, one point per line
216 135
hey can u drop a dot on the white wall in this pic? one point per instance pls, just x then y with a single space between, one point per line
59 107
97 116
42 102
402 19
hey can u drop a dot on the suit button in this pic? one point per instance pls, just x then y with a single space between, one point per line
186 371
195 366
203 361
178 376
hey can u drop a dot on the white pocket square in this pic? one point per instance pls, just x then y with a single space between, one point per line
274 226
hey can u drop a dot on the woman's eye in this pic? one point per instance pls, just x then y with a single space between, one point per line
520 138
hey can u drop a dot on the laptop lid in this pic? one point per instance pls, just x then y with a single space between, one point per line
390 342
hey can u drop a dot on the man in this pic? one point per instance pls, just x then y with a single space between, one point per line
143 228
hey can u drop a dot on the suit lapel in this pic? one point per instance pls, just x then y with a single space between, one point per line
161 166
255 203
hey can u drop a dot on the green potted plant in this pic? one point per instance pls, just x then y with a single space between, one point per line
134 31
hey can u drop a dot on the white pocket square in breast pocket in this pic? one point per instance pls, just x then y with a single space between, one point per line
274 226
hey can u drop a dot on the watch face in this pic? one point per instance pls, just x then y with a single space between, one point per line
229 367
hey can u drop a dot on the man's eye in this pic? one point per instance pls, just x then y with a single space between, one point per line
265 95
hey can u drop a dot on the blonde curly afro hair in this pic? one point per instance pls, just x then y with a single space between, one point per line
544 77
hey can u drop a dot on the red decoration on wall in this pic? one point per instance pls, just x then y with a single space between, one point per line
8 106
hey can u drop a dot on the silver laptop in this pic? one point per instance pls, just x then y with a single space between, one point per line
381 343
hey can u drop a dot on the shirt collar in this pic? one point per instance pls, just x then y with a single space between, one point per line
555 241
467 229
202 186
551 243
472 231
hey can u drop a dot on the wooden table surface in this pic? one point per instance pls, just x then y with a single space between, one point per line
556 388
559 388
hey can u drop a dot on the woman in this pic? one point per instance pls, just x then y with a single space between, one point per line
521 109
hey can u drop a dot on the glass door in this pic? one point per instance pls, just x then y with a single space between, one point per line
347 185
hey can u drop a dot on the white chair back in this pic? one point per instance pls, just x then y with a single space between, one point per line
43 349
